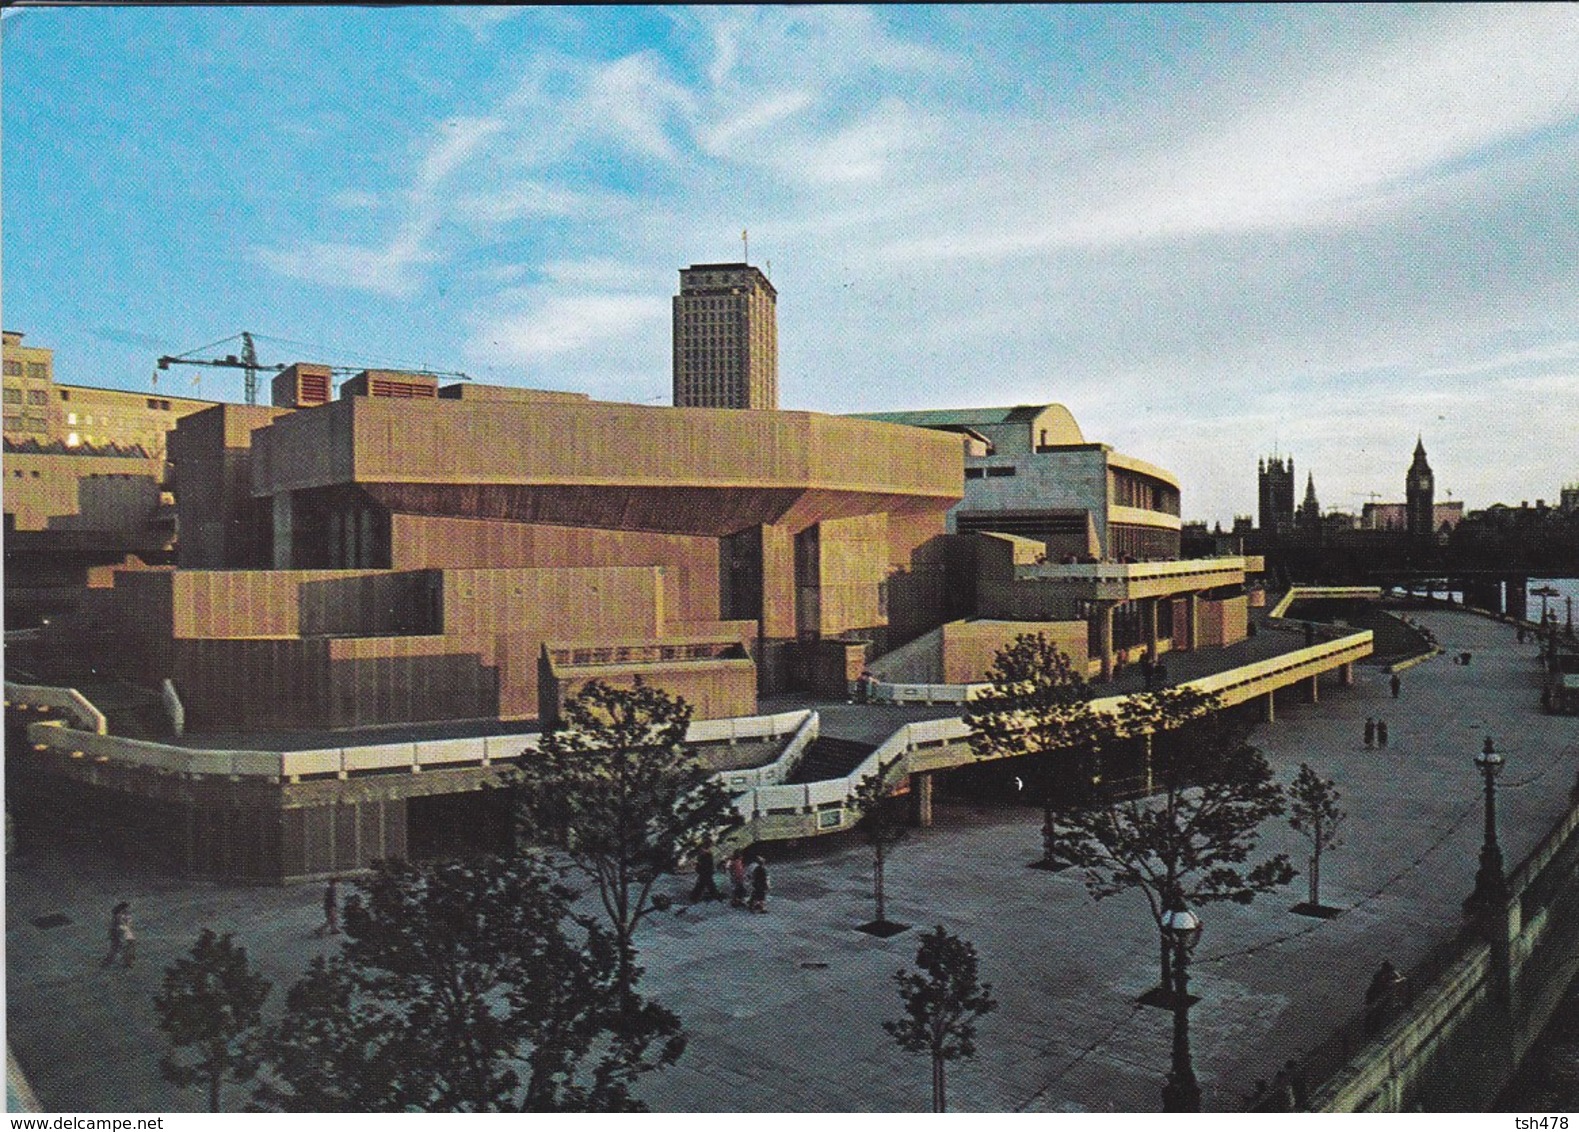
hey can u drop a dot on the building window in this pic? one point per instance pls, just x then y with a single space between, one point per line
975 473
38 371
38 396
13 396
13 369
997 473
65 394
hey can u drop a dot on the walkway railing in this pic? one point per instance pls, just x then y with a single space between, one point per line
91 742
884 693
777 809
67 701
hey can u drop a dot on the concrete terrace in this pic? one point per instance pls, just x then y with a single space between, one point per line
785 1010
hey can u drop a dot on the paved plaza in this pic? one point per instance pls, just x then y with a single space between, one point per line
785 1010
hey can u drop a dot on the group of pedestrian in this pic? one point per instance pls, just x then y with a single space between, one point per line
748 881
1290 1091
1154 673
1375 732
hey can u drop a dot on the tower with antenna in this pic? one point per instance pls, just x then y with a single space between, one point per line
726 339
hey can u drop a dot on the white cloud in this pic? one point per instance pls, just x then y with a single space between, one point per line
557 325
481 22
1328 238
390 270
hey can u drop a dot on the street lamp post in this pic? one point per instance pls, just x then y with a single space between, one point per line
1491 886
1181 1093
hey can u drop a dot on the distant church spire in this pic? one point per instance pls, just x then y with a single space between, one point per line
1310 510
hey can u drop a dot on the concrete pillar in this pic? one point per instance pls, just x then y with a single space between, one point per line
1151 630
283 530
1105 637
1346 675
1518 599
1192 621
1269 707
921 795
1313 690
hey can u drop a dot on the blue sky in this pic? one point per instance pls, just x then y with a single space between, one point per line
1211 232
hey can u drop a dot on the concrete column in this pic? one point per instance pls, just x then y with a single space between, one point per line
283 529
921 795
1269 707
1105 637
1151 630
1346 675
1192 621
1313 690
1518 601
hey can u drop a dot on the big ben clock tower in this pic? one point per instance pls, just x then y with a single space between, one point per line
1419 494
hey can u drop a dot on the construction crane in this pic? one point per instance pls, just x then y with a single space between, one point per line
247 361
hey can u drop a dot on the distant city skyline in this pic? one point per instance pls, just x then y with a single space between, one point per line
1212 233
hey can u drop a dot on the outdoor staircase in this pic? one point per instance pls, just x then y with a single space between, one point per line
827 758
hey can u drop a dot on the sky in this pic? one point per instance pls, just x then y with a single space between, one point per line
1213 233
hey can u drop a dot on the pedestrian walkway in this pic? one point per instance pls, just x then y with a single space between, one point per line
785 1010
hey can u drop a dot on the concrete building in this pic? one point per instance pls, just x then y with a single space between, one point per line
387 558
726 339
83 416
1029 471
84 474
28 389
1395 516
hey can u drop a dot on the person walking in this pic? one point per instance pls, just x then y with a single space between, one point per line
706 887
1381 733
759 886
1397 684
123 941
1370 731
737 878
1298 1085
1381 997
331 908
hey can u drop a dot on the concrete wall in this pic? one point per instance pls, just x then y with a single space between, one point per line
716 689
691 563
969 647
1072 479
1466 1033
1222 622
211 474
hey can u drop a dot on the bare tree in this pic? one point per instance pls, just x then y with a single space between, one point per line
873 799
942 1005
1313 811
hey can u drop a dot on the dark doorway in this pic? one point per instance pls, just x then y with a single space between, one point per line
457 825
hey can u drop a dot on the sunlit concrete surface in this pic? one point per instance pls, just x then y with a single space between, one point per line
785 1010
